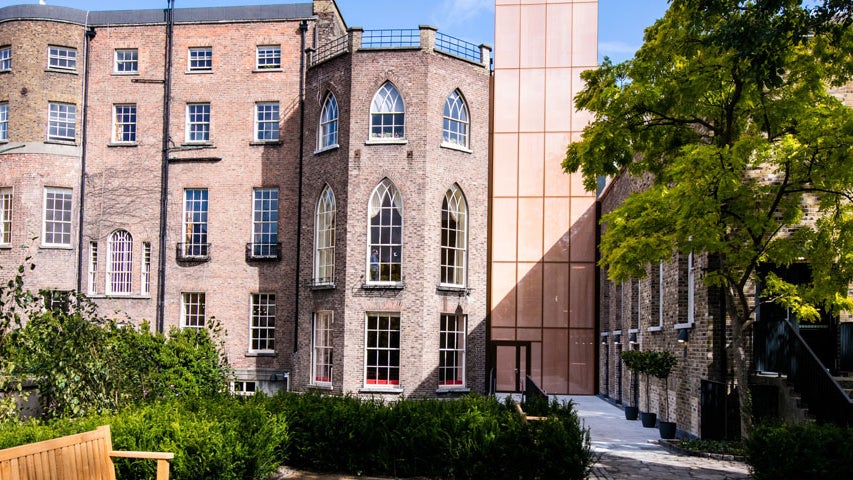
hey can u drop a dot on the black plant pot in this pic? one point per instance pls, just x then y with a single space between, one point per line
649 419
667 430
631 413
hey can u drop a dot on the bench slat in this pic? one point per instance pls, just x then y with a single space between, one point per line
85 456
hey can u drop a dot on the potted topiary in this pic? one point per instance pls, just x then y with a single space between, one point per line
641 361
660 366
632 360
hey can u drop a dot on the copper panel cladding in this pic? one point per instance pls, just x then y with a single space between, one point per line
543 221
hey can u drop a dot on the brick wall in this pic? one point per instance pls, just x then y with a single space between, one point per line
29 164
422 171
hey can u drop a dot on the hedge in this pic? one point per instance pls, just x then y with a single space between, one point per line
248 438
804 452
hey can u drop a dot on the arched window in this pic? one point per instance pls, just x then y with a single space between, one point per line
328 123
454 237
455 120
387 114
120 265
385 221
324 239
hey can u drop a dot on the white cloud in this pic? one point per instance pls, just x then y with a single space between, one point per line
617 51
452 13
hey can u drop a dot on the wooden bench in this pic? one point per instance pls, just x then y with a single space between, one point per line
85 456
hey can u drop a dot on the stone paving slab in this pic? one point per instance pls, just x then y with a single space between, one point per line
629 451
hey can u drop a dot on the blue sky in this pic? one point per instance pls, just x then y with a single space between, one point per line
621 22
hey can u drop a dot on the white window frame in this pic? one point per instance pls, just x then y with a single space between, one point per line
61 58
193 310
62 122
455 125
268 57
5 58
660 292
119 263
200 59
6 216
49 226
327 137
454 273
373 373
262 323
92 283
4 121
126 61
322 359
198 122
387 115
325 216
380 254
244 388
124 123
691 294
267 118
145 272
195 223
452 350
265 202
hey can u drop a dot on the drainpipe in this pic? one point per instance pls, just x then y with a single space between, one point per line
164 170
90 34
303 28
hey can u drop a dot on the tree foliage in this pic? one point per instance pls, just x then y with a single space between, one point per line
727 107
84 363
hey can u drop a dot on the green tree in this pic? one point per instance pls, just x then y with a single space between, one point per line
726 106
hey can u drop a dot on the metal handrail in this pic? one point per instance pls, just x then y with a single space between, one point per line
329 50
825 398
458 48
391 38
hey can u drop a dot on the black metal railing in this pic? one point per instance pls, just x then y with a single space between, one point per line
256 252
531 390
193 252
391 38
825 398
329 50
458 48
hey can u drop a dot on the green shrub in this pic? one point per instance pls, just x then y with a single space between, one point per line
472 437
219 438
804 452
84 364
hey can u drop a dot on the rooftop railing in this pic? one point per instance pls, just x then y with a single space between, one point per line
425 38
390 38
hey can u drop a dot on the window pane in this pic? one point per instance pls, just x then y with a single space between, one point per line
324 255
5 215
454 213
329 122
195 223
62 120
266 121
269 56
265 223
127 61
263 322
201 58
4 121
64 58
451 360
198 122
125 124
120 265
387 119
386 226
57 217
5 58
323 349
382 355
193 310
456 120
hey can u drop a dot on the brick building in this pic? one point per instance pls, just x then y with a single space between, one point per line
162 163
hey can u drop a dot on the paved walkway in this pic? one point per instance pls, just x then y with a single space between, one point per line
627 452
